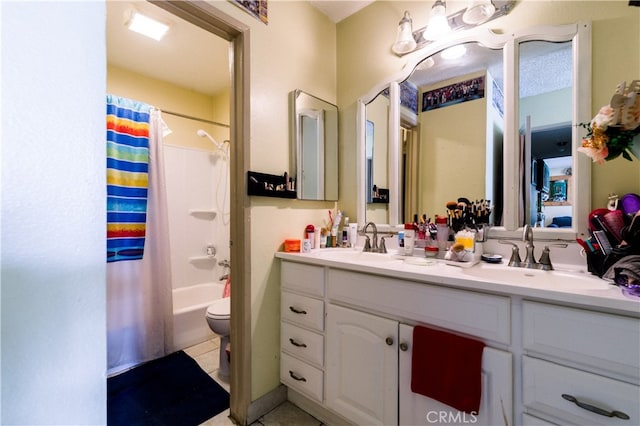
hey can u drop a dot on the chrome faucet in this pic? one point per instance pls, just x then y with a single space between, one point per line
367 244
527 236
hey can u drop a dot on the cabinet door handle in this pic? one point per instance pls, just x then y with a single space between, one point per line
594 409
294 343
389 341
297 311
294 376
404 347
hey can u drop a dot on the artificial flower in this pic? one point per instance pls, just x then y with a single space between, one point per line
612 131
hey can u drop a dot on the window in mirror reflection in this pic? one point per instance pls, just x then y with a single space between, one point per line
545 103
455 147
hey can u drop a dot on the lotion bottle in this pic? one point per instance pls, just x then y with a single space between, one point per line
409 239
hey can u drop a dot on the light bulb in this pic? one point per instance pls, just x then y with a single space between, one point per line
405 42
438 23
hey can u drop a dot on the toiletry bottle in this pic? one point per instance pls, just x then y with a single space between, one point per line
401 239
409 238
345 233
310 234
443 233
353 234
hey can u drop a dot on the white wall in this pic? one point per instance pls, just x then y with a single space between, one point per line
53 213
203 174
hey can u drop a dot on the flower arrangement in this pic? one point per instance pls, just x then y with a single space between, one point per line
612 131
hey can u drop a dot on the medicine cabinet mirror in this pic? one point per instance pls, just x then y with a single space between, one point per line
314 146
458 142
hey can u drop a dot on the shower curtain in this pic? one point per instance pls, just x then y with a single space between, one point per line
139 301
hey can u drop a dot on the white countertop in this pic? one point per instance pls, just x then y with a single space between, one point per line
563 286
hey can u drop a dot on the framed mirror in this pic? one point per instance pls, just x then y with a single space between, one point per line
377 158
314 130
443 138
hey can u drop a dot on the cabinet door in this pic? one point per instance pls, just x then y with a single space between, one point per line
361 376
495 404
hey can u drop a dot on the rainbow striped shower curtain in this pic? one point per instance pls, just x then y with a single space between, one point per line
127 177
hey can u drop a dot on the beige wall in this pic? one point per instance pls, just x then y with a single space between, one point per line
452 154
365 59
167 96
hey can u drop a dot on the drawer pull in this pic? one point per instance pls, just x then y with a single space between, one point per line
294 343
594 409
389 341
297 311
404 347
294 376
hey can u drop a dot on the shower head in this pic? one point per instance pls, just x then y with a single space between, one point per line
204 134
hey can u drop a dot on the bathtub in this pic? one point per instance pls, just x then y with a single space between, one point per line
189 308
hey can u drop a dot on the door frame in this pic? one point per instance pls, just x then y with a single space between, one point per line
206 16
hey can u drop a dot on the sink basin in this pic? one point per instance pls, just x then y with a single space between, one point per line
537 278
350 255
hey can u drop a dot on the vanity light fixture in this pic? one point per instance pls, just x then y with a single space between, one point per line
146 26
478 12
440 24
405 42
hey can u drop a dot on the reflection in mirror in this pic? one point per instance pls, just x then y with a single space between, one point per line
377 146
314 146
458 135
545 99
504 165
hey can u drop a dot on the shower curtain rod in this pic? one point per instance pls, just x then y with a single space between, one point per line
177 114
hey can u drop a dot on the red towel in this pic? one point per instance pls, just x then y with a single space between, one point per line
447 368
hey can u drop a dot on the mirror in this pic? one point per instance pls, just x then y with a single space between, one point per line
471 148
314 130
460 111
377 158
545 125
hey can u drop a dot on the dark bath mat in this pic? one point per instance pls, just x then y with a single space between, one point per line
172 390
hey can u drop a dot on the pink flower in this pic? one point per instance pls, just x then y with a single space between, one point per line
595 147
603 118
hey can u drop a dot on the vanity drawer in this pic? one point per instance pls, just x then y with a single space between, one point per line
303 310
606 342
477 314
307 279
301 377
303 343
544 383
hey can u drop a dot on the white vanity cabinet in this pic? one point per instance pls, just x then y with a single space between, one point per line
362 366
580 366
495 403
369 349
550 357
302 329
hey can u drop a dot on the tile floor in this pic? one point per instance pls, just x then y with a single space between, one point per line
206 355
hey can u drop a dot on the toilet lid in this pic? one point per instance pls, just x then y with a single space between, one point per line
220 308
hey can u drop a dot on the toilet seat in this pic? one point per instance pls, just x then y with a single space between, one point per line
220 309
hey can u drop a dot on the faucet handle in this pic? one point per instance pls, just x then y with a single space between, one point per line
545 259
383 248
367 243
515 254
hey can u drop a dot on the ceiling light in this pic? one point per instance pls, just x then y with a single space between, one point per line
438 23
404 41
454 52
478 12
146 26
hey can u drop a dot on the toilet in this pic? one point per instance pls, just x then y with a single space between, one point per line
218 315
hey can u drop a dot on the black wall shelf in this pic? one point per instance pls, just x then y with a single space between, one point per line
267 185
